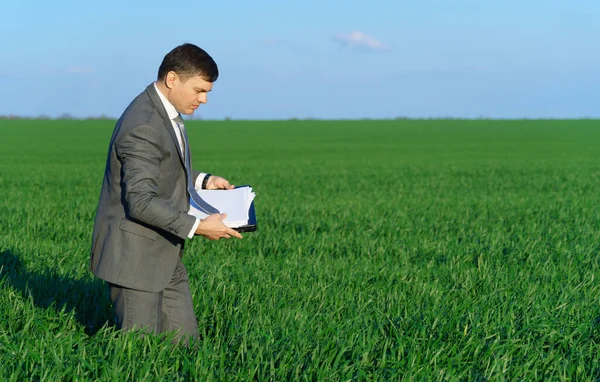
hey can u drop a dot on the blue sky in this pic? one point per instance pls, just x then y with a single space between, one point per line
310 59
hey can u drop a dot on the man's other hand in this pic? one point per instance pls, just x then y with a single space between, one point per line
213 228
217 183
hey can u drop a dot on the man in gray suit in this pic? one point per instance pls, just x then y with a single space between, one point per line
142 221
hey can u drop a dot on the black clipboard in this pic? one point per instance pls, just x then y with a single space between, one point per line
251 226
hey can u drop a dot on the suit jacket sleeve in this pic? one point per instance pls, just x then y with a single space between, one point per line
195 174
199 178
140 153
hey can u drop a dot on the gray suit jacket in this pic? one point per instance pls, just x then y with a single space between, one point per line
141 221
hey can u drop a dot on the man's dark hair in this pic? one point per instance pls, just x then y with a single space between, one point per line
189 60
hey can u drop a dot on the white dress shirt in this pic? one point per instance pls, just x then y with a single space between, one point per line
172 113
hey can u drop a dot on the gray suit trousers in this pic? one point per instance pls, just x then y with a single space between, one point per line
158 312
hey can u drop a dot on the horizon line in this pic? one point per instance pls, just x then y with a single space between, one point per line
229 119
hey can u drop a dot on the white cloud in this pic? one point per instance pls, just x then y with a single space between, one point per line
272 41
80 70
359 41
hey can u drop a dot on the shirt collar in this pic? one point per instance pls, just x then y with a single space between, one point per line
171 111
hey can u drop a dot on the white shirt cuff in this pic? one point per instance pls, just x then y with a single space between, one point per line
199 179
191 234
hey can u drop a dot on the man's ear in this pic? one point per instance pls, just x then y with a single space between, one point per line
170 79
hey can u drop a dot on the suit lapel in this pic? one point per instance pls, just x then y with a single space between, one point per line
167 122
169 127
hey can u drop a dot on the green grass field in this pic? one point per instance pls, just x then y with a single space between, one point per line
386 250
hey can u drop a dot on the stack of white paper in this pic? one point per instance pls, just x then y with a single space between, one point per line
235 203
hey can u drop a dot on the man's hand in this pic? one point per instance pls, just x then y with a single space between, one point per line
213 228
218 183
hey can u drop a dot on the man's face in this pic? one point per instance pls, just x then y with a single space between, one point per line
187 95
